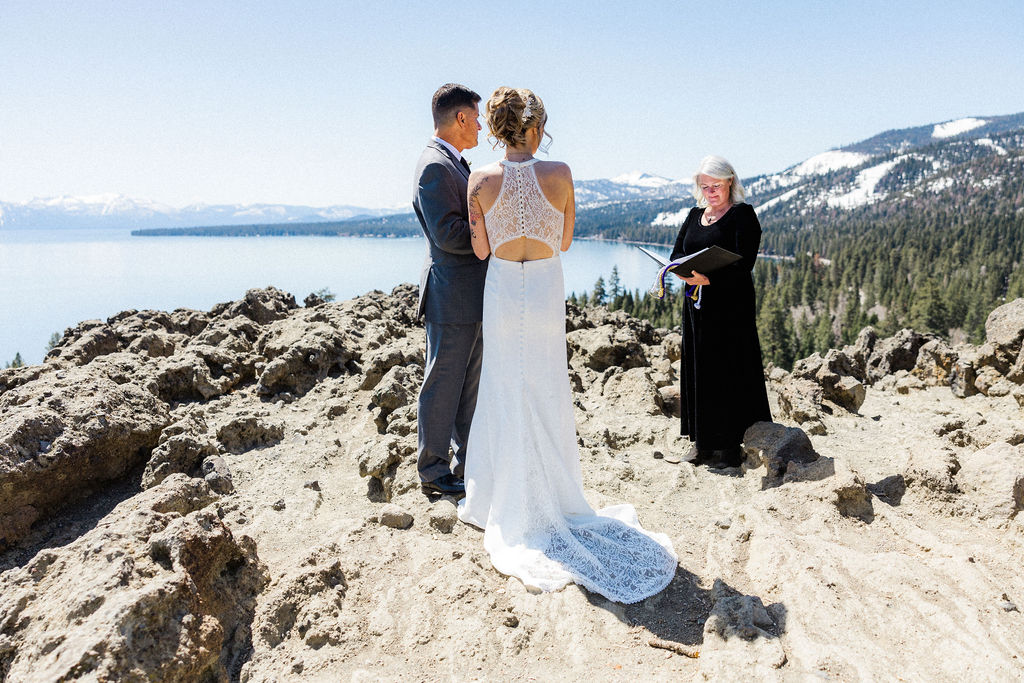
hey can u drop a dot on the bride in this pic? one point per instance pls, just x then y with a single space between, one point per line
523 482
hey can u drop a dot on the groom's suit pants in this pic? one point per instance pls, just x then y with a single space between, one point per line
447 398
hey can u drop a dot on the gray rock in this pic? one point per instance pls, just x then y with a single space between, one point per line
932 473
247 432
305 604
989 382
181 448
217 475
262 306
673 345
301 351
395 517
993 478
735 615
670 400
606 346
379 361
1004 328
898 352
398 387
935 361
973 362
155 344
1016 373
776 446
443 516
890 489
84 342
801 400
635 390
847 392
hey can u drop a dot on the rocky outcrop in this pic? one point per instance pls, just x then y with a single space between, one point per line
162 591
296 427
818 385
65 436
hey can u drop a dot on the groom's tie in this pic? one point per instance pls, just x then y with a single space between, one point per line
465 164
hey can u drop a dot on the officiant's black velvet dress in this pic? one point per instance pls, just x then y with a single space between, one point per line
722 379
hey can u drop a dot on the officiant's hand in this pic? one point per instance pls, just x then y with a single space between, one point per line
696 279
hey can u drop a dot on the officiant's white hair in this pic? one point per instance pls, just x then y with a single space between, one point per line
717 167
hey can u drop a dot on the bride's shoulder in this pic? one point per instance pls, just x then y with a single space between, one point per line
558 170
487 171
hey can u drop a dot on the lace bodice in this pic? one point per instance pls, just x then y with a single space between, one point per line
522 210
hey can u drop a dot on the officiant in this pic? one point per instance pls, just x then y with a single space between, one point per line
722 388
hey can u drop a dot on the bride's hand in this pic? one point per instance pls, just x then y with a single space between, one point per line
697 279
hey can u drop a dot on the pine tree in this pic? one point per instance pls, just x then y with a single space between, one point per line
599 296
614 283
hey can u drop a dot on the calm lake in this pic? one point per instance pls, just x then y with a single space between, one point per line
52 279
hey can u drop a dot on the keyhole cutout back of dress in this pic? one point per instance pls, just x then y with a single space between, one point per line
523 224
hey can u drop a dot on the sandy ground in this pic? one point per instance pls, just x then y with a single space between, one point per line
924 591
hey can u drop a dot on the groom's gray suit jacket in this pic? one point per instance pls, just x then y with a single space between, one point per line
452 281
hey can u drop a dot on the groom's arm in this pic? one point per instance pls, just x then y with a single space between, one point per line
441 202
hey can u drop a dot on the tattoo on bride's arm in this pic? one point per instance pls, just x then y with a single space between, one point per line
474 208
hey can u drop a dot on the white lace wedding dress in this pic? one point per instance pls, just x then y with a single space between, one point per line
523 481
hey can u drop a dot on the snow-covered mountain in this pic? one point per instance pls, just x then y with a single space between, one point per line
920 161
629 186
118 211
914 162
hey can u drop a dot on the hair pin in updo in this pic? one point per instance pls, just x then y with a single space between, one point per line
526 112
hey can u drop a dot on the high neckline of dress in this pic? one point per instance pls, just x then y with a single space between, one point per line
519 164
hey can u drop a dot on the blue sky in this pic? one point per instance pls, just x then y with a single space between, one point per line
325 103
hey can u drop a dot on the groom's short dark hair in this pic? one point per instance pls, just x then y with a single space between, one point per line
450 98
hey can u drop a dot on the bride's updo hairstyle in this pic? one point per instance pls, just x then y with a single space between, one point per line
511 112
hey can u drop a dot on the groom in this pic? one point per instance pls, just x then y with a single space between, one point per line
451 292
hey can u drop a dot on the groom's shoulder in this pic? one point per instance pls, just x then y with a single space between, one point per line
432 156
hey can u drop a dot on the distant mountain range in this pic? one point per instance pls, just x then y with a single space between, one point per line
922 159
118 211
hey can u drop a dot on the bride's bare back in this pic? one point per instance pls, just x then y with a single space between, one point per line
521 211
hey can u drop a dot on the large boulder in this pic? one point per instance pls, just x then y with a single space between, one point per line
635 392
776 446
935 361
606 346
898 352
993 478
802 400
65 435
1004 329
976 369
161 590
839 376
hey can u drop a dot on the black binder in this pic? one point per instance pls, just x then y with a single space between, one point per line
704 261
